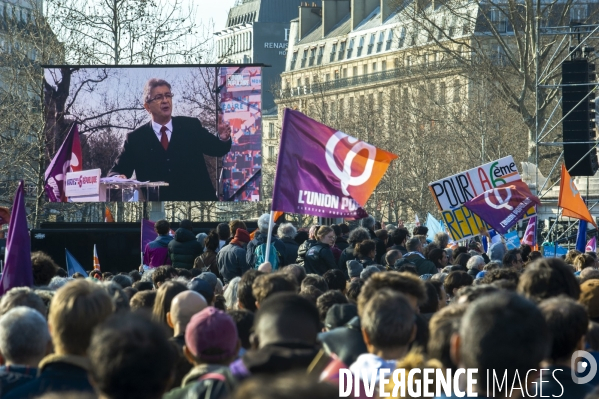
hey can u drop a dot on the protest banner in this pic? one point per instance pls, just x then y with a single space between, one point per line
512 241
451 193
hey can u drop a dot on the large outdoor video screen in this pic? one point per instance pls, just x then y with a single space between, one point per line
164 133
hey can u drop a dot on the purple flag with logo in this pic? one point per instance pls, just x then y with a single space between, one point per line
147 233
17 269
58 168
503 206
324 172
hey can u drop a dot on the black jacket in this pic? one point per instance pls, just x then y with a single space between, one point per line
184 249
291 248
56 374
345 342
258 240
341 243
381 248
319 259
14 376
181 165
301 251
346 254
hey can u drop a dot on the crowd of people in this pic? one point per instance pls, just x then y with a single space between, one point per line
211 316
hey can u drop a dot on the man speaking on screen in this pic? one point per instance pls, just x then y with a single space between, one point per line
171 149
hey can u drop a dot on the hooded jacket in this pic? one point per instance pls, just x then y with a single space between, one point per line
184 249
291 248
156 252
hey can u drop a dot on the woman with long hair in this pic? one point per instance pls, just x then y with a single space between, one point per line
206 262
162 304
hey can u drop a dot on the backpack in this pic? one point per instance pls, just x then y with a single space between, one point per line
260 253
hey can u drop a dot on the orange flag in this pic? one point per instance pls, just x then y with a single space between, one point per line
96 259
108 216
277 215
571 201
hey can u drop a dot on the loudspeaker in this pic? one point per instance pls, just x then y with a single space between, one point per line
578 111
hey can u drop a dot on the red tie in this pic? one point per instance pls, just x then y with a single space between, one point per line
163 137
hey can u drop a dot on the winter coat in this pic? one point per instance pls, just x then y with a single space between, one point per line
206 262
231 261
14 376
258 240
341 243
184 249
156 252
423 266
346 254
205 381
291 248
301 251
319 259
345 342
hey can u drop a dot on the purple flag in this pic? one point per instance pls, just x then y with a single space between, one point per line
503 206
530 235
325 172
17 269
591 245
58 168
147 233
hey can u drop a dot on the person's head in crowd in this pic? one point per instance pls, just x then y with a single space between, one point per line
143 300
408 284
211 242
456 280
162 227
186 224
162 304
211 338
571 255
567 323
129 291
286 317
589 298
391 257
476 263
439 257
335 280
337 230
513 258
390 227
462 261
244 320
525 251
497 252
269 284
492 266
183 306
203 288
344 230
382 235
263 223
245 297
368 222
22 296
76 309
368 272
339 315
135 276
507 274
107 276
211 279
57 282
230 293
388 324
120 300
183 274
77 275
484 343
327 300
60 272
220 302
234 225
459 250
441 239
420 231
470 293
353 290
295 385
287 230
441 294
297 271
357 235
592 336
201 238
431 305
592 253
589 273
131 358
44 268
311 293
534 255
315 280
122 281
426 250
414 245
365 249
443 325
546 278
301 237
312 231
326 235
24 337
162 274
143 286
584 261
96 274
399 236
223 231
354 268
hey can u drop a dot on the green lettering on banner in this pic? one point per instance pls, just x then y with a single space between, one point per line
493 170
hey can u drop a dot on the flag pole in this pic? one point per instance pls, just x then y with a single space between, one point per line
269 237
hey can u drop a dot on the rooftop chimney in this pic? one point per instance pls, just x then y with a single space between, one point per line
386 9
333 12
360 9
309 17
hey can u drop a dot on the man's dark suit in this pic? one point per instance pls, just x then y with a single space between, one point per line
181 165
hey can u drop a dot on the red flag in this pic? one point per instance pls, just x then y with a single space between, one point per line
570 199
108 216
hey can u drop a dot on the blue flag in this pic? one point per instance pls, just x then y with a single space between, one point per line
581 237
73 266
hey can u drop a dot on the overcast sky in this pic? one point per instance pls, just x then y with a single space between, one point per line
217 10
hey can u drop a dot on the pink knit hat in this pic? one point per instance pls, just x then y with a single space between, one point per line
211 335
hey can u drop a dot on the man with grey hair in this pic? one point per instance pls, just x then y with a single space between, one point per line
368 223
171 149
22 296
423 265
24 341
287 233
260 238
475 265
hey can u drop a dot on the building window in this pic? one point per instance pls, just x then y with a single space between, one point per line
402 38
271 130
442 93
379 45
456 90
327 77
350 48
414 37
304 58
336 74
383 65
389 39
341 51
373 67
355 71
498 20
344 73
271 152
371 44
360 46
333 52
312 56
299 82
364 69
320 55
